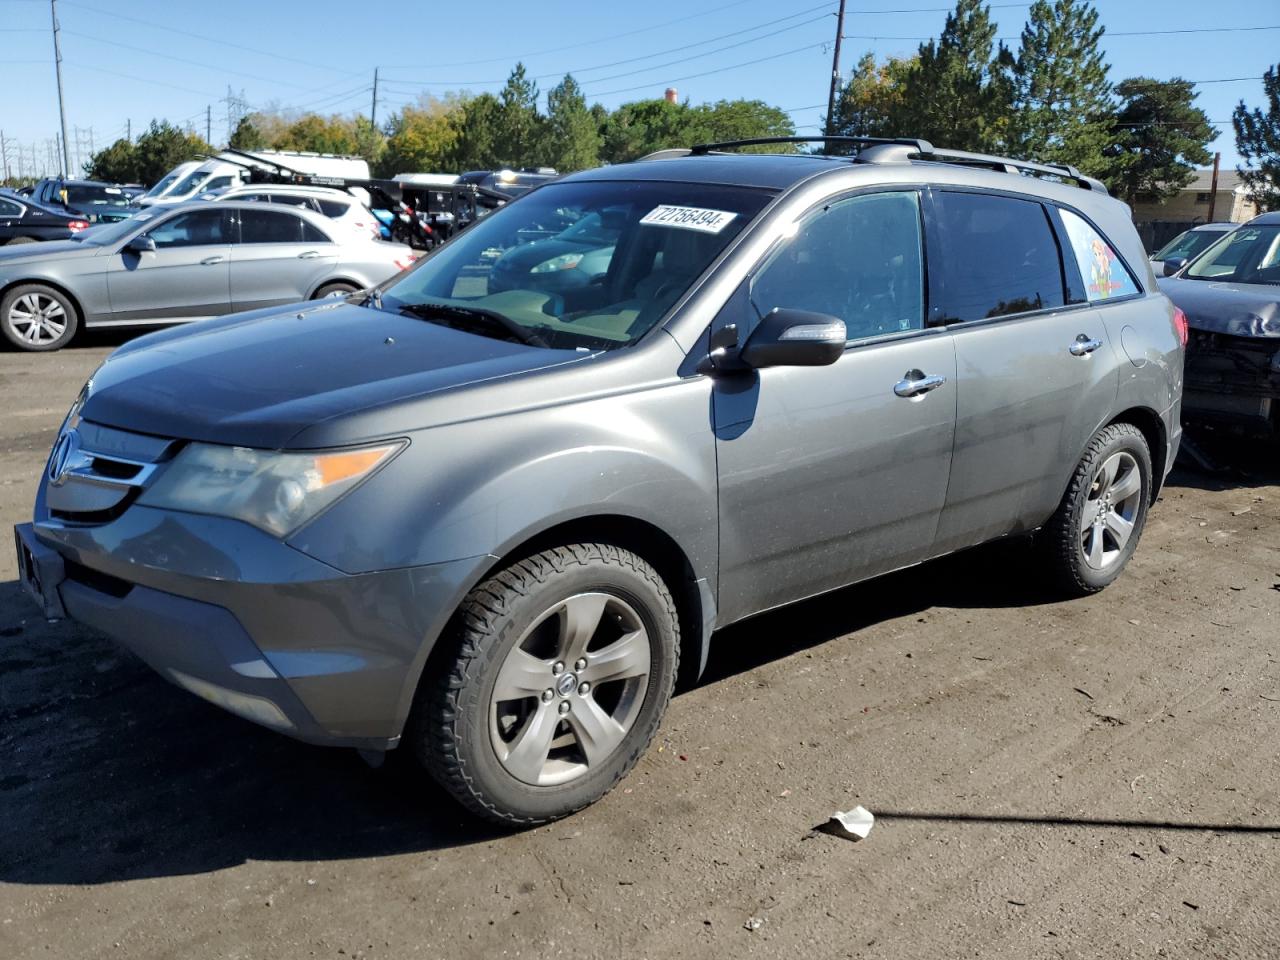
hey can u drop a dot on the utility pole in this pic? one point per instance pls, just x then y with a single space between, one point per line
835 72
208 124
373 108
4 154
62 108
128 130
1213 189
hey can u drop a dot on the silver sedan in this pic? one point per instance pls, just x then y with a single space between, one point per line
187 262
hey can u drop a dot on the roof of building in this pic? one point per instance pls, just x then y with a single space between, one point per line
1228 180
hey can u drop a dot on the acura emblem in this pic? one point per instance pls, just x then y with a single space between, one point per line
65 454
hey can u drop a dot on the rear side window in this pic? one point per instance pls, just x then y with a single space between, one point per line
272 226
9 209
999 255
1105 276
333 208
292 199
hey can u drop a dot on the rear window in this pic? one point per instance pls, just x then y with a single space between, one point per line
1105 276
333 208
999 255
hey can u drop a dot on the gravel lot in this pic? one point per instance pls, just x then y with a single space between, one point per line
1087 779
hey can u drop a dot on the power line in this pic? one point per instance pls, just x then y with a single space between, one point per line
707 73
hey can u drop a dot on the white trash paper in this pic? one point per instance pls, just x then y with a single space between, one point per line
853 824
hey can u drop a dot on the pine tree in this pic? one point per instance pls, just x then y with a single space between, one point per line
518 120
958 95
1161 137
1061 96
1258 142
572 134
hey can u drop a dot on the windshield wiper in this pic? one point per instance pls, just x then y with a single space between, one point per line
464 316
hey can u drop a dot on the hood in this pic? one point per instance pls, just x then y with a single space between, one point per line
23 252
1236 309
258 379
527 257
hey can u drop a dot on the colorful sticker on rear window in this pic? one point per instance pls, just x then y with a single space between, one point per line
1103 273
688 218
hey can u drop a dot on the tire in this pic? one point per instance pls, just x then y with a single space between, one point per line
38 318
484 748
21 240
330 289
1082 544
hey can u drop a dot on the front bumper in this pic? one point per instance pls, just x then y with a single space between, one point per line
247 622
1233 382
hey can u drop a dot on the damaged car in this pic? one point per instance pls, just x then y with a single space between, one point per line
1231 296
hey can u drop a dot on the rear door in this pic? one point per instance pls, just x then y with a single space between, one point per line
832 474
1037 373
184 278
10 218
280 258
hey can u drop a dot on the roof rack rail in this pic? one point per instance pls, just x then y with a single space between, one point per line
702 148
1062 171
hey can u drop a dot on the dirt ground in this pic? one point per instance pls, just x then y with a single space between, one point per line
1092 779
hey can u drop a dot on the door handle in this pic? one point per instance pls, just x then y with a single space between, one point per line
916 384
308 254
210 261
1083 346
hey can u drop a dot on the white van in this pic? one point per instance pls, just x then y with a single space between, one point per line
166 183
231 169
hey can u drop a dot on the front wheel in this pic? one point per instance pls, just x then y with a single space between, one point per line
1096 528
561 668
37 318
339 289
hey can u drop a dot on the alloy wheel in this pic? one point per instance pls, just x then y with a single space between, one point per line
1110 510
37 318
569 691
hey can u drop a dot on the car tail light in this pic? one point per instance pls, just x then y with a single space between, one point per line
404 263
75 226
1180 325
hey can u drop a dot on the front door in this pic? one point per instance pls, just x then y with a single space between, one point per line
280 258
185 278
829 475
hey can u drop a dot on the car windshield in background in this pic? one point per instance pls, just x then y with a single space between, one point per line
1187 245
591 265
88 198
193 180
1247 255
160 187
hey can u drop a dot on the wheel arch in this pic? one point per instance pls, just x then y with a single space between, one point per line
330 281
53 285
1148 422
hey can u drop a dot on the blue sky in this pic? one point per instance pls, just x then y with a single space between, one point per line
145 58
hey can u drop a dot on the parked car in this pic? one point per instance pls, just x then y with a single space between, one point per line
488 528
190 262
1175 254
207 177
89 200
569 261
1231 296
23 220
338 205
165 185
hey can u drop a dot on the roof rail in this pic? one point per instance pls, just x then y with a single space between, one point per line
1062 171
671 153
923 146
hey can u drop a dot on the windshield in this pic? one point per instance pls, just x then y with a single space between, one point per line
1186 245
88 198
1246 255
641 247
192 182
107 233
164 183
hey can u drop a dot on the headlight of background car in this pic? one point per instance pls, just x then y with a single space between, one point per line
277 492
566 261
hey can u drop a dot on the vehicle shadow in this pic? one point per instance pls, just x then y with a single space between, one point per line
109 773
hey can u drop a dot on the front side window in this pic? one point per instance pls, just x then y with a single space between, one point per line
999 257
859 259
523 272
9 209
192 229
1249 254
1105 275
274 226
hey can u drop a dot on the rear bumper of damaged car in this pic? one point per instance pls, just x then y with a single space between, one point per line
1233 383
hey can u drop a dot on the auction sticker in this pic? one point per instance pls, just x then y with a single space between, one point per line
689 218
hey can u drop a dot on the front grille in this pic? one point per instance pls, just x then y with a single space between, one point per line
96 472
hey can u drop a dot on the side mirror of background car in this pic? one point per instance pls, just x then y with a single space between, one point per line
141 245
1173 265
795 338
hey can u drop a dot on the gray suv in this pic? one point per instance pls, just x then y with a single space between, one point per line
490 526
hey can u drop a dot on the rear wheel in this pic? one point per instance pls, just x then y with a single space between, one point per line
334 290
37 318
1100 520
22 240
562 667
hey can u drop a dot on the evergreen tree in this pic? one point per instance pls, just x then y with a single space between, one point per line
1258 142
519 125
247 136
958 94
739 120
644 126
162 147
117 163
572 134
1161 136
1061 96
479 132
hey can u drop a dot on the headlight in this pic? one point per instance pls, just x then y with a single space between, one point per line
277 492
566 261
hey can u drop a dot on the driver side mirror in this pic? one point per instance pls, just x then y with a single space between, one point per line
141 244
1173 265
795 338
